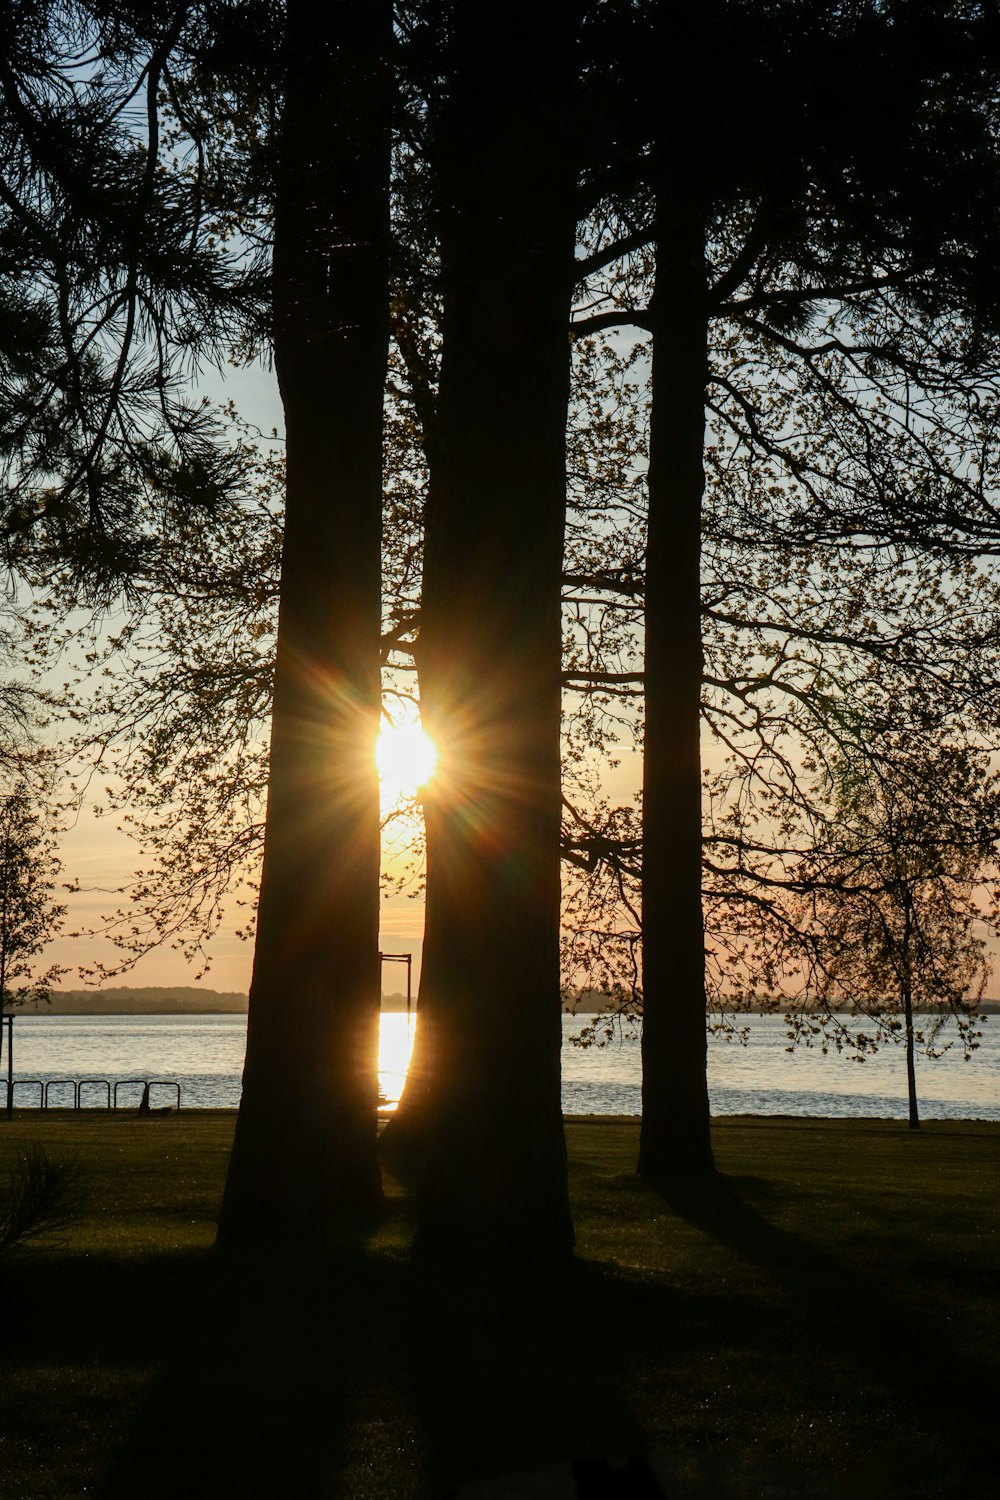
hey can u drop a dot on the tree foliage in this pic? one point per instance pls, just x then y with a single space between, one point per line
781 469
30 916
897 904
115 285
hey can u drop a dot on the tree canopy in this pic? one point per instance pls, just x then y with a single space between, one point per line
30 915
628 312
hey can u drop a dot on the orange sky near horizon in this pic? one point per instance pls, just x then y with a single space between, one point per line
102 859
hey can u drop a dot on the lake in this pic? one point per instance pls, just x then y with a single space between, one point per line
204 1055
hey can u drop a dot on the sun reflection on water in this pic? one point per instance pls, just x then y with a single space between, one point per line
395 1044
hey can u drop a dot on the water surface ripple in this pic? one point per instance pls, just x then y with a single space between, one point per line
204 1054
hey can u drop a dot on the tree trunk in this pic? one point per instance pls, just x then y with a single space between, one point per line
911 1069
486 1102
304 1162
675 1140
907 996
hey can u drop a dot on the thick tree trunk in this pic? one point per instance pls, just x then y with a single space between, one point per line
675 1141
304 1162
487 1091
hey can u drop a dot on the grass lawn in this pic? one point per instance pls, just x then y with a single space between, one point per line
823 1322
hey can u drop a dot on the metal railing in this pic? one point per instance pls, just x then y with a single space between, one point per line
78 1085
27 1083
58 1083
96 1083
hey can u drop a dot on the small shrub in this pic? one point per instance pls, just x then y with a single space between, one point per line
41 1197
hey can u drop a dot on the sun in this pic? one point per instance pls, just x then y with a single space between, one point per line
406 758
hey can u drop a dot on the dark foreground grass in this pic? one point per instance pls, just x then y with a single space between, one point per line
822 1322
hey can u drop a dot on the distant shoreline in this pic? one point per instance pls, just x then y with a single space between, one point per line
165 1000
190 1000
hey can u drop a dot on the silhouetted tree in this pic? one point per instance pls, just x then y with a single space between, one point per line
304 1157
111 286
489 651
765 228
895 897
30 916
19 697
148 239
675 1114
817 238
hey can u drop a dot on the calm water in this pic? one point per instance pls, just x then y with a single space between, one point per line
204 1054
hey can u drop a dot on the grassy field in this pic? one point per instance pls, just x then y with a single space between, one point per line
823 1322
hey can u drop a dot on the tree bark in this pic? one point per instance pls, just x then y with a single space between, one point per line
675 1140
304 1162
486 1102
911 1065
911 1068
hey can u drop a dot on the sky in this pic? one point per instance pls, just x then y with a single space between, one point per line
97 854
102 858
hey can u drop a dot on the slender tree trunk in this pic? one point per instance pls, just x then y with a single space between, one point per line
911 1069
7 1027
304 1160
6 879
490 1029
907 995
675 1140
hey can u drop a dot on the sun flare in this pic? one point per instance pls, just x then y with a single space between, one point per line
406 759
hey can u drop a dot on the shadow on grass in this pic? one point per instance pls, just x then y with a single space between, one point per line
363 1375
854 1324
